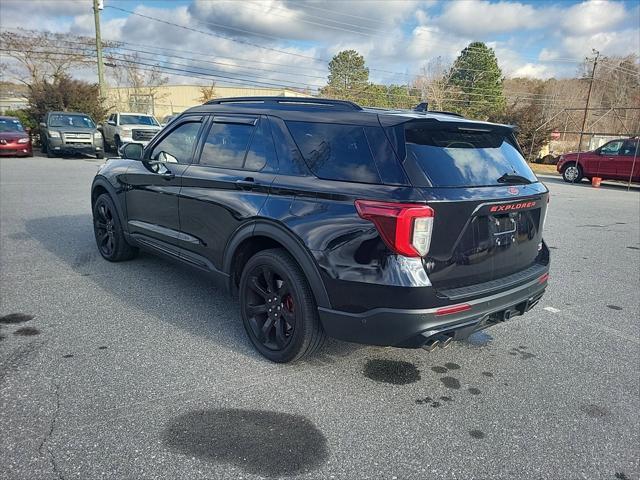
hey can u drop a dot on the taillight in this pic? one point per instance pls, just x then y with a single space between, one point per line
405 227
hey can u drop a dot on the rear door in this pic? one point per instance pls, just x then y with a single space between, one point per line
488 205
228 184
628 160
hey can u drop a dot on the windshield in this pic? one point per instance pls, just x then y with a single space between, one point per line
66 120
10 125
138 120
454 157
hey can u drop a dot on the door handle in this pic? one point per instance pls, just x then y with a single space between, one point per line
167 176
247 183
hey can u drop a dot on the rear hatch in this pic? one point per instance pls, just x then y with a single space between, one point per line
489 206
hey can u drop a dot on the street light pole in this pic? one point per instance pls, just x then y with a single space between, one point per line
97 6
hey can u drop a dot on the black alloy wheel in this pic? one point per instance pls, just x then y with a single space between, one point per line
108 231
104 226
278 308
270 308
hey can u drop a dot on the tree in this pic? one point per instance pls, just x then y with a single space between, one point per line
207 92
35 56
348 76
478 79
529 118
138 85
434 84
65 94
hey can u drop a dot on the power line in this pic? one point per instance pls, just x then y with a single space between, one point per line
216 35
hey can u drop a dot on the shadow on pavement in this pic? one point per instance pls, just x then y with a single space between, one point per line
159 287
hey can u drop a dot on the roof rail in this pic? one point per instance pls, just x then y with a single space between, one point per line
275 102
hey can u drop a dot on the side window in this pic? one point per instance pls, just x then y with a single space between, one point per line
262 150
177 146
629 148
612 148
336 152
226 145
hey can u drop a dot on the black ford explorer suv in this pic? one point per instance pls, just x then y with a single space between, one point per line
397 228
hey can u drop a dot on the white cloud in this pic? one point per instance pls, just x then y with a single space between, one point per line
480 17
593 16
532 70
398 37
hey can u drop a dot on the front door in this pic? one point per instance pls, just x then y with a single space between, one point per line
153 185
227 185
608 165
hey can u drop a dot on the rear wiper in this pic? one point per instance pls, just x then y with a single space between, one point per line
514 179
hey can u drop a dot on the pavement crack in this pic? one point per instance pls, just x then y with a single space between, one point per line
52 426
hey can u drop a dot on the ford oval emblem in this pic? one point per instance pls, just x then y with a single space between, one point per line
513 190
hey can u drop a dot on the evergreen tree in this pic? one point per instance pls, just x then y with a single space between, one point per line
476 80
348 76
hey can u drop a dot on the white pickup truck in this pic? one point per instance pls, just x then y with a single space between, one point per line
121 128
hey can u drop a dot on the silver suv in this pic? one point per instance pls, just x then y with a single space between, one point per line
70 132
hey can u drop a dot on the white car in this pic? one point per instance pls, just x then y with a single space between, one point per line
121 128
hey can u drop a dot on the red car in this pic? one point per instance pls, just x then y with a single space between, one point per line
612 161
14 139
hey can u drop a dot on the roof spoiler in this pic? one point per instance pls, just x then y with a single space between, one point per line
421 107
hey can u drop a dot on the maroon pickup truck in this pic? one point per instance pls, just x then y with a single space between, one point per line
612 161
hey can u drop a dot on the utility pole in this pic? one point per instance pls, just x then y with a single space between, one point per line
586 107
97 6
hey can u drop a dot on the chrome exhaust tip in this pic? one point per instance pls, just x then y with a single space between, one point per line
431 345
444 340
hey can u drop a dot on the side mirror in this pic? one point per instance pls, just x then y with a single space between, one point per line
43 125
111 122
132 151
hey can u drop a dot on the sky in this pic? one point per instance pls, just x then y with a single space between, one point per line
289 43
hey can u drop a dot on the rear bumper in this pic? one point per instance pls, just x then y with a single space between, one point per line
413 328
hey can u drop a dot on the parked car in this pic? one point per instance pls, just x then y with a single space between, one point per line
392 228
121 128
168 119
612 161
70 133
14 138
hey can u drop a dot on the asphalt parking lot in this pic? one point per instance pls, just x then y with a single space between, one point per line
142 369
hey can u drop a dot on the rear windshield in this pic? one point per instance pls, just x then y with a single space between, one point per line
455 157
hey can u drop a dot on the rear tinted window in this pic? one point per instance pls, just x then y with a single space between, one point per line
464 158
335 152
226 145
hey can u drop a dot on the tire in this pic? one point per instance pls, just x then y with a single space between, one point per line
50 154
572 173
117 145
108 231
43 146
274 292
